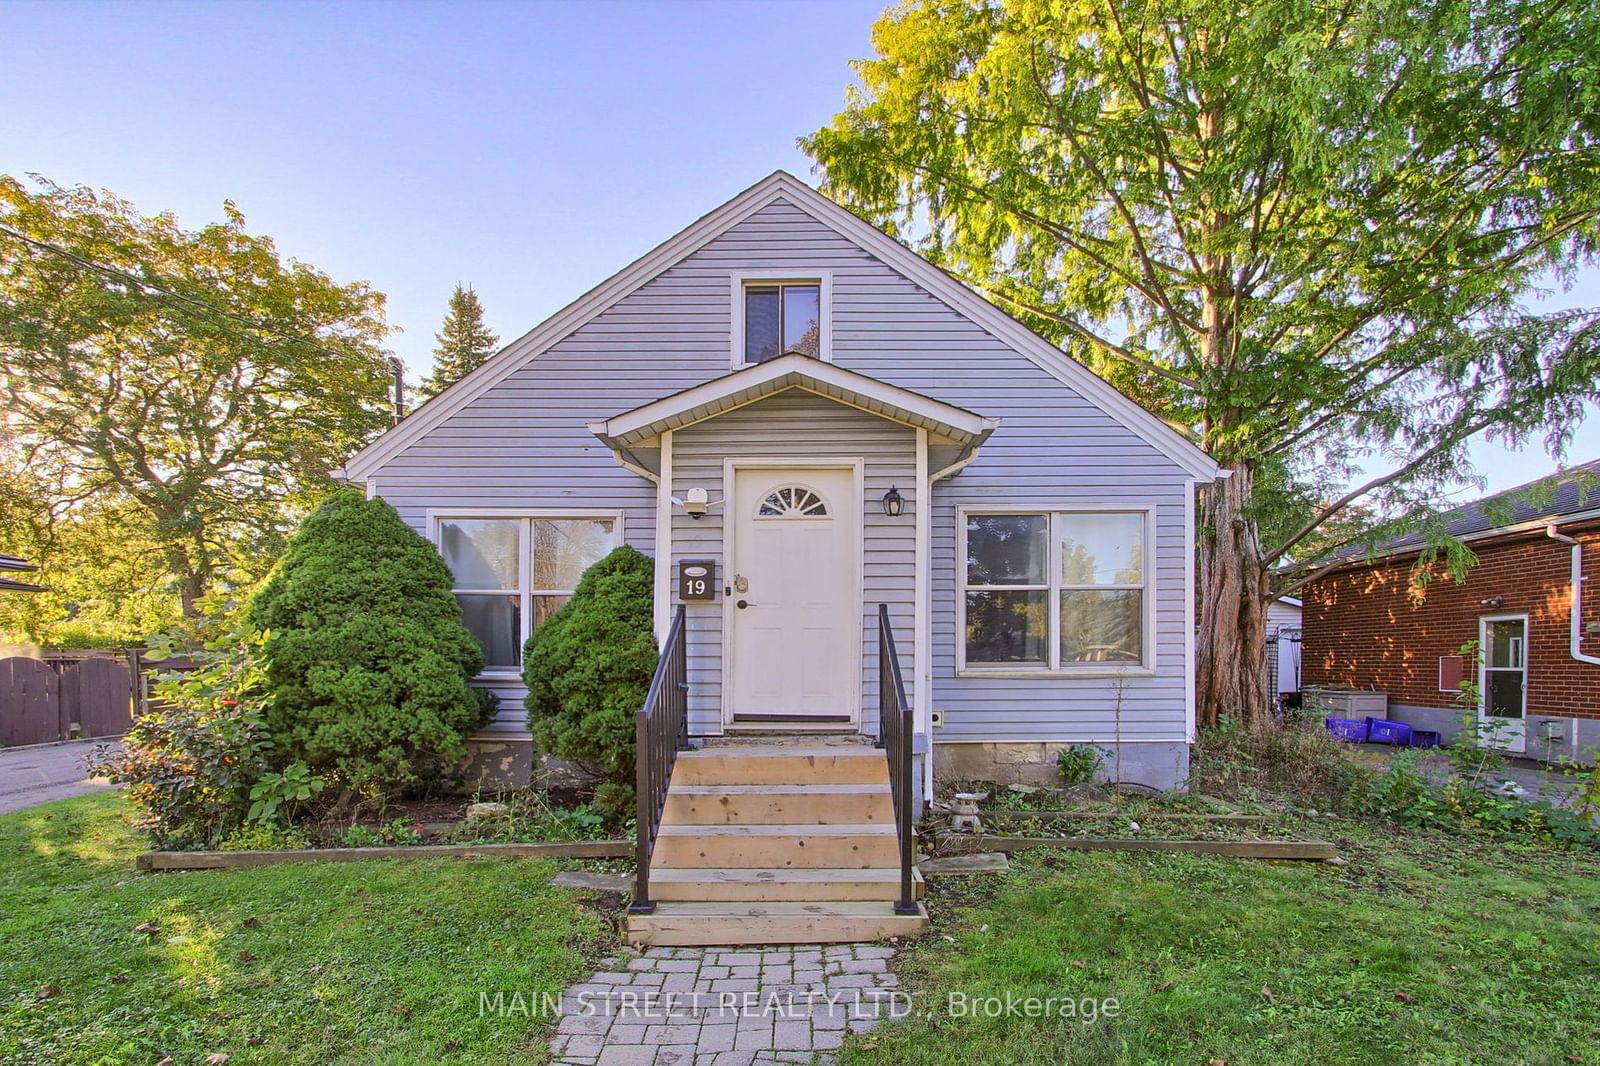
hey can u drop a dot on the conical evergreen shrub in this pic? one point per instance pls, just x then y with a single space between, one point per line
588 667
367 658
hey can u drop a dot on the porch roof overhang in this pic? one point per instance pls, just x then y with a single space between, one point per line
643 426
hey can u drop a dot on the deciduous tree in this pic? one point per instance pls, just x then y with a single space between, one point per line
1304 229
194 375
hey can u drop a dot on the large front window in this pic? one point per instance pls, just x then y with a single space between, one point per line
1061 590
511 573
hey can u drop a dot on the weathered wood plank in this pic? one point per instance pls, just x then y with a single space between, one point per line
982 862
592 881
1068 816
1244 849
156 861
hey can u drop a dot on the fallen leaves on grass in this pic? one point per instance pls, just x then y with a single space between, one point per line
1404 997
49 990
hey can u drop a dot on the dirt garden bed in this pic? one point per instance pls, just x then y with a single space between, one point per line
1088 817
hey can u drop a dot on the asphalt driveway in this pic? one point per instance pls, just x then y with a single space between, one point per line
44 772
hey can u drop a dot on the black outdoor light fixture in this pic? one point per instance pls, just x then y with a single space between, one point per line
894 504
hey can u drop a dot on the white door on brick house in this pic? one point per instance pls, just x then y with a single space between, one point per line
794 595
1503 681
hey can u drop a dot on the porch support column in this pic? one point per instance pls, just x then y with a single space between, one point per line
921 648
663 571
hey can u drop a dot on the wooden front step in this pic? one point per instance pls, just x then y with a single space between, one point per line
779 805
785 885
845 764
759 847
772 923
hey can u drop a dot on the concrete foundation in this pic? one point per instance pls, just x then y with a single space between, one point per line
1163 766
1549 738
494 764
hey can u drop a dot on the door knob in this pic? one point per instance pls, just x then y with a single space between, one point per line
742 604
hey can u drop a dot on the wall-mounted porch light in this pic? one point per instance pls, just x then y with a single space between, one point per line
894 504
695 503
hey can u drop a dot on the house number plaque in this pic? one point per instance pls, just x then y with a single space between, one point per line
697 580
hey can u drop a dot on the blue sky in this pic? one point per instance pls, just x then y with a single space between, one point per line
529 149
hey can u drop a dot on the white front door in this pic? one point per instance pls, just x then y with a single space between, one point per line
1503 682
793 616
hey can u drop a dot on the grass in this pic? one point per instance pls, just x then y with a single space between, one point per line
361 962
1423 949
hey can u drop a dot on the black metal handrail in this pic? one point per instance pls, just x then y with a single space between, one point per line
894 737
661 730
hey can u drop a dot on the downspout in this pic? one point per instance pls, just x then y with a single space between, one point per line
1577 594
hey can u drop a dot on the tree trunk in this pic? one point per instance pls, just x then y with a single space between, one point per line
1231 676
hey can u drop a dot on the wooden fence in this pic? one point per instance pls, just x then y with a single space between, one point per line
68 695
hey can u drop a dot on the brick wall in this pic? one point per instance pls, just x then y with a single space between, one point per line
1368 627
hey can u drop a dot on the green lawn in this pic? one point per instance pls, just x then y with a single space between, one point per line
351 962
1424 949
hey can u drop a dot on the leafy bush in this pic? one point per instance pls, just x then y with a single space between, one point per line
277 794
1400 792
366 656
263 837
588 667
361 836
615 801
1465 804
189 764
1078 763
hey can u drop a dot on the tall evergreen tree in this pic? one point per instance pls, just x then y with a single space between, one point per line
464 342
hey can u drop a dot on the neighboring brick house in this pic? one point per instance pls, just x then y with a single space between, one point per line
1368 625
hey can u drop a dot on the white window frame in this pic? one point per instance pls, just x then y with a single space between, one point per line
524 591
1052 666
743 279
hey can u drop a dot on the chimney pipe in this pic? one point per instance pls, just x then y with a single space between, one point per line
399 388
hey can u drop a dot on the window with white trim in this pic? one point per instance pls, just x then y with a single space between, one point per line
1055 590
782 317
512 573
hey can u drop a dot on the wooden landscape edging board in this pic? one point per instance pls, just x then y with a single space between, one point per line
1244 849
1067 816
156 861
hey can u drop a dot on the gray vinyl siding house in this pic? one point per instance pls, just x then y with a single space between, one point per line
1011 460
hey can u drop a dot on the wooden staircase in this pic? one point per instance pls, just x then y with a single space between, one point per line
776 843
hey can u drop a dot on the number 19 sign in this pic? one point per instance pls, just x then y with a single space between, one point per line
697 580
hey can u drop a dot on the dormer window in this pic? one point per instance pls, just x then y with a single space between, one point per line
782 317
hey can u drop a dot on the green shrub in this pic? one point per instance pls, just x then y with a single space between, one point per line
263 837
276 795
616 801
361 836
1078 763
190 763
367 658
588 667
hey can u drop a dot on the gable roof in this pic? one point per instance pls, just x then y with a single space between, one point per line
782 186
756 382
